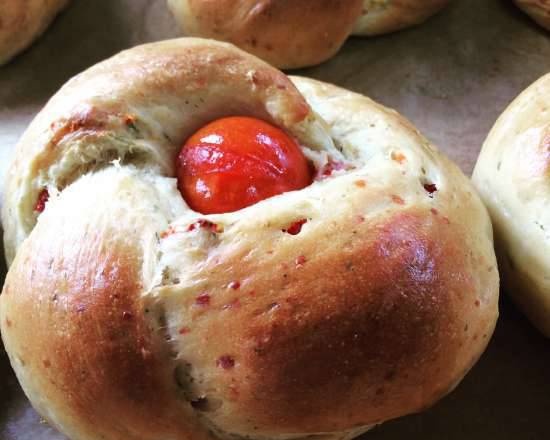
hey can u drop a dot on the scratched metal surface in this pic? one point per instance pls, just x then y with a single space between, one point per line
451 77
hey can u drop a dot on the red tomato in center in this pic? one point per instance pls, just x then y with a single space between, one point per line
235 162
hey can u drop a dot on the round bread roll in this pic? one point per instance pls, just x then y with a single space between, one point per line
22 21
539 10
297 33
512 176
127 315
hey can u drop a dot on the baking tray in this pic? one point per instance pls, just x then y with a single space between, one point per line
452 77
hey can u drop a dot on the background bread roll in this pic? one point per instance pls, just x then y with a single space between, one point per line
511 175
297 33
22 21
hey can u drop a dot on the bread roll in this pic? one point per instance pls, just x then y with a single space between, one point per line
297 33
511 175
320 312
22 21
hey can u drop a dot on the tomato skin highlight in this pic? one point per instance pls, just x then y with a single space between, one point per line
235 162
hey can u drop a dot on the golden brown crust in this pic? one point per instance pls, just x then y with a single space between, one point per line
22 21
90 357
539 10
129 316
286 33
297 33
393 323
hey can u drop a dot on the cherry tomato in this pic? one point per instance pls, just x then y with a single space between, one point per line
237 161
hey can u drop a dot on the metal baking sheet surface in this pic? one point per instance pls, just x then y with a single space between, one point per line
452 77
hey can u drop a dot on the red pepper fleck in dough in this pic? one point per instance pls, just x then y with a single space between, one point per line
204 224
171 230
235 285
226 362
203 299
430 188
129 119
184 330
329 168
300 261
398 157
43 198
296 227
397 199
